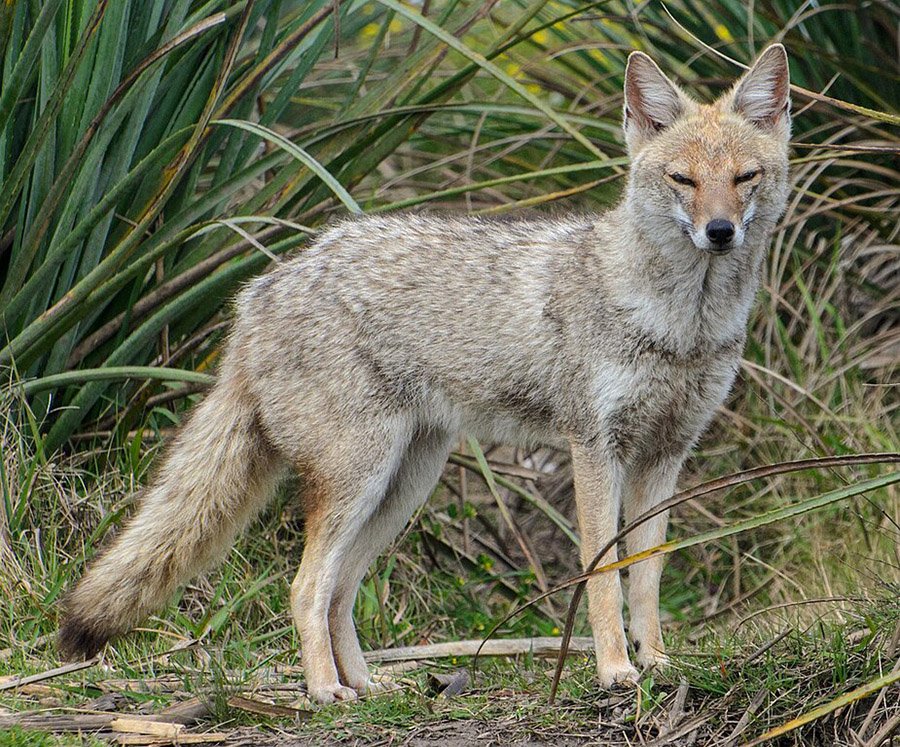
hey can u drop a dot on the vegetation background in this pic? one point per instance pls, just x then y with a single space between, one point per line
154 154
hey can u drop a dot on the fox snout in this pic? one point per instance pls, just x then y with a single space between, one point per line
720 233
713 235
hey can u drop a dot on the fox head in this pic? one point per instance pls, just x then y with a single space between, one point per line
716 175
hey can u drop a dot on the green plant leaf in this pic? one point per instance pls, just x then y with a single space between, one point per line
301 155
115 373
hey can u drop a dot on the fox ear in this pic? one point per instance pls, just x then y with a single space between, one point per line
652 101
762 95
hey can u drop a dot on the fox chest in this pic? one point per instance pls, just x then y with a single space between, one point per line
645 411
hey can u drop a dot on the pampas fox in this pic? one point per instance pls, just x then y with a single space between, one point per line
359 362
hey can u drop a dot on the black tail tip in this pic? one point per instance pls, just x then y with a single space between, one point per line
78 639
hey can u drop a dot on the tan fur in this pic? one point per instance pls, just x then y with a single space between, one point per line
359 363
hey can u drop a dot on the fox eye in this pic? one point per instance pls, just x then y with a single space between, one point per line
682 179
747 176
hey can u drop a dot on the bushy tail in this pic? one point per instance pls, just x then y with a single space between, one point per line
218 475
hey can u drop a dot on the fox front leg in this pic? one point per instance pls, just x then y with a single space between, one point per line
646 486
598 490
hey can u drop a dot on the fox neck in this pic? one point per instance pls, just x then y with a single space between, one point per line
692 300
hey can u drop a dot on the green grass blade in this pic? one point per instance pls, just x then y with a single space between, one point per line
271 61
542 505
781 514
215 287
513 178
114 373
488 475
39 277
14 181
893 119
65 309
25 65
77 160
301 155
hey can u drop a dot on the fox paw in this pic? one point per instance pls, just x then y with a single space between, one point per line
326 694
368 686
653 660
381 685
622 673
651 655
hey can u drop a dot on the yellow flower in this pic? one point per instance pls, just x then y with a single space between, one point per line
723 33
396 26
370 30
555 631
541 37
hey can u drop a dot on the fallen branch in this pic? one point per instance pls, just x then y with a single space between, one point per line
9 683
146 739
129 725
186 712
88 722
261 708
541 646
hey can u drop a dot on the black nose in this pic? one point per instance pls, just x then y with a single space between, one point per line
720 231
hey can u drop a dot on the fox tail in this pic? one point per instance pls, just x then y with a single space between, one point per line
219 474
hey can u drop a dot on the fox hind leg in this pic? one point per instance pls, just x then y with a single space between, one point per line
341 497
410 486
